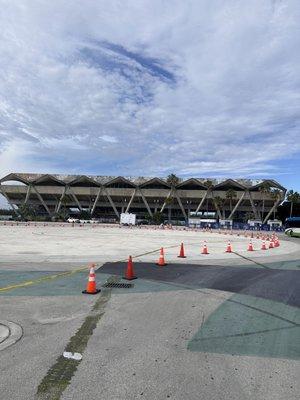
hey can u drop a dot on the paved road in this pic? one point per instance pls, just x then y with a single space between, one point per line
228 330
277 285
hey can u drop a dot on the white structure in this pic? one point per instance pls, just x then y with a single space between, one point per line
226 222
274 223
128 218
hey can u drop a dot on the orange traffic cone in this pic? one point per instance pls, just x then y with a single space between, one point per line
204 250
228 248
129 274
161 261
181 253
271 245
263 246
250 246
276 243
91 285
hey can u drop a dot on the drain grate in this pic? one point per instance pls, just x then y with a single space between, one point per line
118 285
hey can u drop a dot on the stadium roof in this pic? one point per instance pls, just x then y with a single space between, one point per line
98 180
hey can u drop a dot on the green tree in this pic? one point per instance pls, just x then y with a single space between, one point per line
220 204
276 195
169 203
230 195
173 180
249 216
264 190
27 212
157 218
293 198
84 214
209 185
61 215
64 202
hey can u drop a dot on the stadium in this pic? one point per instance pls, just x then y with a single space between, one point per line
106 197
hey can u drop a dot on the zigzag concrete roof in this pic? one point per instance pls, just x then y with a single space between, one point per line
28 178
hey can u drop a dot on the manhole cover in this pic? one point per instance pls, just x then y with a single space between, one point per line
118 285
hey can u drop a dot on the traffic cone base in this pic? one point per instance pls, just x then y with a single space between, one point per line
129 278
97 291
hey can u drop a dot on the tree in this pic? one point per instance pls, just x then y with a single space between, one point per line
220 204
293 198
169 202
61 215
173 180
209 184
84 214
27 212
249 216
276 195
264 189
284 210
64 202
157 218
230 195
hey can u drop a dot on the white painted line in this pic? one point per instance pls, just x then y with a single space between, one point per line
73 356
15 332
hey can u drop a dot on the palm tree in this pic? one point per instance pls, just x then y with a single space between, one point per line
231 194
209 184
220 204
27 212
173 180
264 189
275 194
292 197
248 215
169 202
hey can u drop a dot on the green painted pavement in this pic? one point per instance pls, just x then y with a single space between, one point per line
245 325
68 285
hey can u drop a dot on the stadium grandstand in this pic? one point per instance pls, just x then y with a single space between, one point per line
106 197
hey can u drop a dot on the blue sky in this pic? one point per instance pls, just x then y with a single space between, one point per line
199 88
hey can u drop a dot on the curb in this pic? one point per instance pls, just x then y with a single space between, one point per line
12 334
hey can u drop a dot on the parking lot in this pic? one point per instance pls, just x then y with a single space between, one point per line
217 325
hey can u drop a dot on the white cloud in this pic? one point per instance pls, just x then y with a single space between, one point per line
109 139
144 87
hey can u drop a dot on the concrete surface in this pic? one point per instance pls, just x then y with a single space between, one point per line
94 243
222 326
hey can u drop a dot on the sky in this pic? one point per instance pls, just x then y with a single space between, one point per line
205 88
